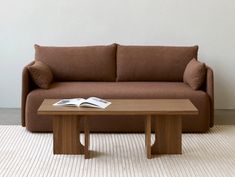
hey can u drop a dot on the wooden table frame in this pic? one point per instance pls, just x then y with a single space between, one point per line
166 112
168 133
66 135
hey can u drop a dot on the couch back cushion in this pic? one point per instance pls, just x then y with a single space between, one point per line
90 63
153 63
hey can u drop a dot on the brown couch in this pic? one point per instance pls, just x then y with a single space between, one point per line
117 71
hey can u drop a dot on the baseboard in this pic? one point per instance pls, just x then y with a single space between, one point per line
225 116
10 116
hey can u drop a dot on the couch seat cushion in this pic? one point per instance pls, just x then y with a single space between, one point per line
117 90
106 90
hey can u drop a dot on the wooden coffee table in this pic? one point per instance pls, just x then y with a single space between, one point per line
168 126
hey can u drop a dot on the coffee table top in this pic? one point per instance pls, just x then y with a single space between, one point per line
125 107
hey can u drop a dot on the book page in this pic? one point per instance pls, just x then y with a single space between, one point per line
69 102
95 102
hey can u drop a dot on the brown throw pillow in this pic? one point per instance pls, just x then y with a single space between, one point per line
41 74
194 74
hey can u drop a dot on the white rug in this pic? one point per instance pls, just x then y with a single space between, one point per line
120 155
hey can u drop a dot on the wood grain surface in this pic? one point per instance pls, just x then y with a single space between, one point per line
66 135
125 107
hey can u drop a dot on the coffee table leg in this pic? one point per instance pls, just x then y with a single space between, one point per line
87 138
66 135
148 135
168 132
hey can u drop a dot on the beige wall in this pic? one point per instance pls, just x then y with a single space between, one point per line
210 24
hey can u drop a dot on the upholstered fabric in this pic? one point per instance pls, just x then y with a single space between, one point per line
209 82
93 63
148 72
194 74
27 85
153 63
135 90
41 74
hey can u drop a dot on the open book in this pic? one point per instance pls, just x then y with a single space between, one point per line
92 102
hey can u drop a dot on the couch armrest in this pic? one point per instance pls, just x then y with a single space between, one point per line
27 85
210 91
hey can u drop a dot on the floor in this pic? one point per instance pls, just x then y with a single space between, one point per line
210 154
26 154
11 116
